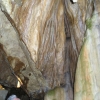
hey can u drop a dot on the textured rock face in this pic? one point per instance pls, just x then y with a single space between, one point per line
87 81
6 77
38 57
55 93
15 55
42 40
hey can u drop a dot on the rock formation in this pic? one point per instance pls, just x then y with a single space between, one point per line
50 43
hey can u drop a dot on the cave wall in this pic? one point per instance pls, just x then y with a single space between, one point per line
15 55
40 43
53 43
87 81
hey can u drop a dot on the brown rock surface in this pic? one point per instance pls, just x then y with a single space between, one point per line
40 26
43 39
7 76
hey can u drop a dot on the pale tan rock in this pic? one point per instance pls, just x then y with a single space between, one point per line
56 94
87 80
1 87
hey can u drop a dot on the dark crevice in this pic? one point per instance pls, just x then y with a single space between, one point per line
22 95
72 2
19 92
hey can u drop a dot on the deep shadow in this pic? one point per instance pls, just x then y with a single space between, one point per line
19 92
72 1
